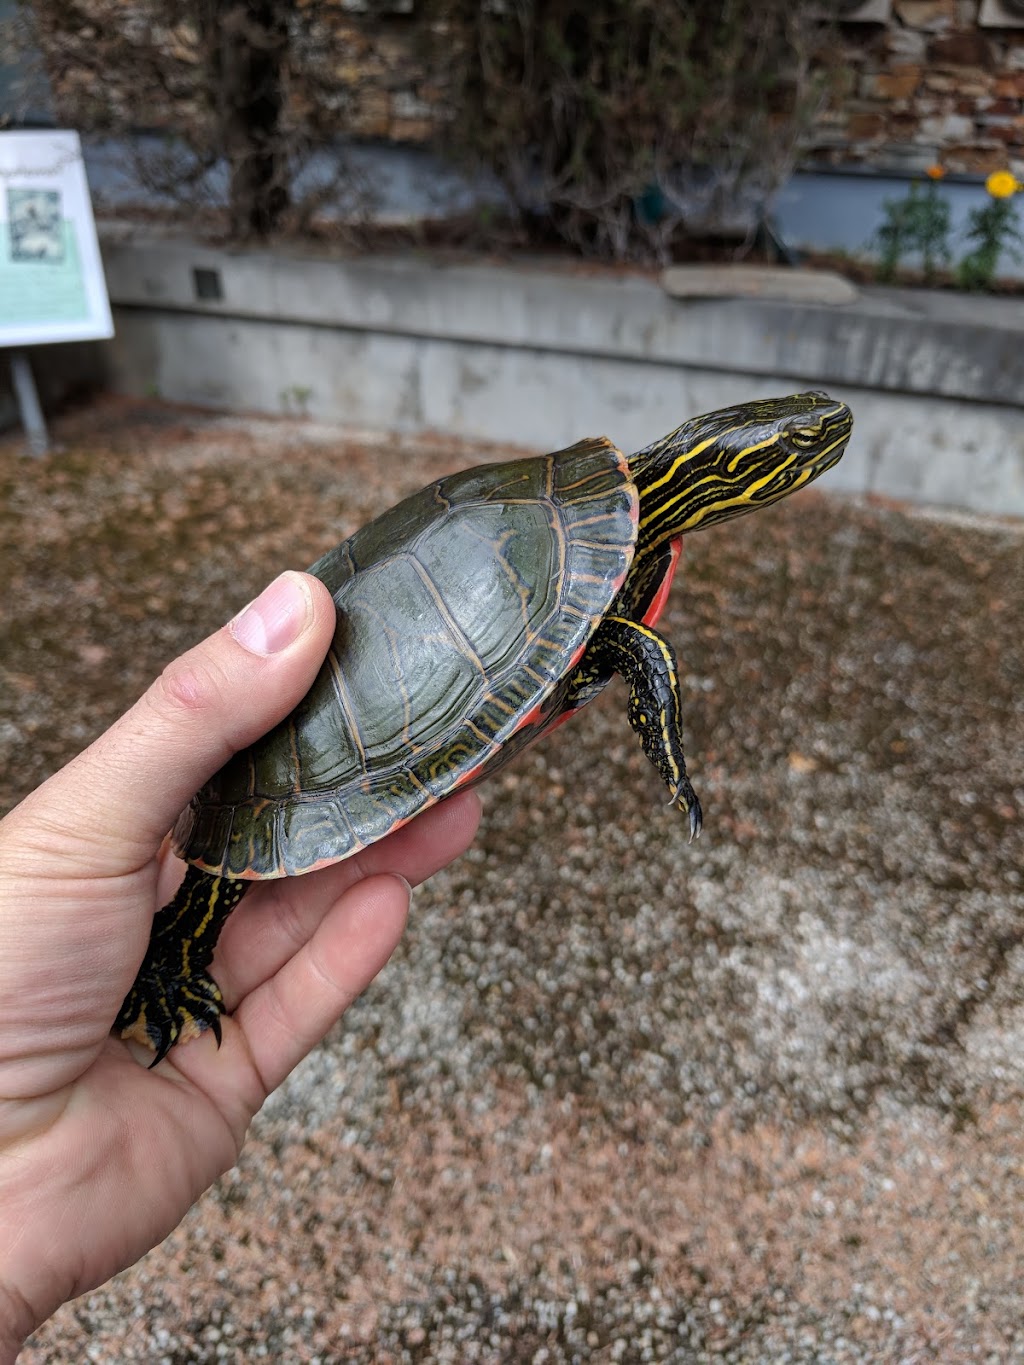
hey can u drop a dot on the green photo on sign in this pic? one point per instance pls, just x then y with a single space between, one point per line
36 226
41 276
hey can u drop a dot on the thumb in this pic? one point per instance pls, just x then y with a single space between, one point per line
113 804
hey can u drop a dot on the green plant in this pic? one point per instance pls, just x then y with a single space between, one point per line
917 223
995 230
295 400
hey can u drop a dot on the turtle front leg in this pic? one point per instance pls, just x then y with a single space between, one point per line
174 999
648 664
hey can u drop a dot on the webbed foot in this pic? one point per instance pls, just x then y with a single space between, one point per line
164 1008
174 999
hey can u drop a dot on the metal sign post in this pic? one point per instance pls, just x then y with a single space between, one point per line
28 404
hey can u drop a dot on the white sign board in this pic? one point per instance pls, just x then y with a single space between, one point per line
51 276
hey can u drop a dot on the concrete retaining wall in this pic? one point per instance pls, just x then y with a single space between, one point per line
541 357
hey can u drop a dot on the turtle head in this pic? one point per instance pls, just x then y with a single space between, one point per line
730 461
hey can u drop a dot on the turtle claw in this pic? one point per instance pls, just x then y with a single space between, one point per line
174 999
163 1009
686 799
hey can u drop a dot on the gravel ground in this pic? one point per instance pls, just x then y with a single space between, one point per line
618 1097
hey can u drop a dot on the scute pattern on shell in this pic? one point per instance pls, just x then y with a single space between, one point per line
461 613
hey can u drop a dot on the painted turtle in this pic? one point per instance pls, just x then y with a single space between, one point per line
472 618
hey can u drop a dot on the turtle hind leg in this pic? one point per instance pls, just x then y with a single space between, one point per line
173 998
648 664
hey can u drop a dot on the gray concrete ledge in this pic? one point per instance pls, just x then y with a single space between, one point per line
540 356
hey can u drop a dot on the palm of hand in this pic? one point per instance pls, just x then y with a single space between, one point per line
121 1152
100 1157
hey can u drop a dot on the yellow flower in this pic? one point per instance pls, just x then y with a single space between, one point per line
1001 184
935 172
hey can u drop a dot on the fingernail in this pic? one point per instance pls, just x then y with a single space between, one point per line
276 618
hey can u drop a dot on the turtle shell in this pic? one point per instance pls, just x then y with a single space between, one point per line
462 613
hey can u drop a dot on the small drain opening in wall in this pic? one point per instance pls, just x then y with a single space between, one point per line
207 284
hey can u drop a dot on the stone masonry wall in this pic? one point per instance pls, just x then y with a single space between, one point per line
931 84
927 83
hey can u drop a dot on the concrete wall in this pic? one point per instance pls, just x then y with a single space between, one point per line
541 357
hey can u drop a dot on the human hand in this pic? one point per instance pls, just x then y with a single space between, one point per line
99 1157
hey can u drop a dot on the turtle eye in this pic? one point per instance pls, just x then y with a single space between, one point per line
804 439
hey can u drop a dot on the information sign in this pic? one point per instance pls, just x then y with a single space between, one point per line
51 275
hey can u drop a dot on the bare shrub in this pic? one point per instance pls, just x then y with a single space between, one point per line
619 124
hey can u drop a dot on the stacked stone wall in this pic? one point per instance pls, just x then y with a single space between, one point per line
929 82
